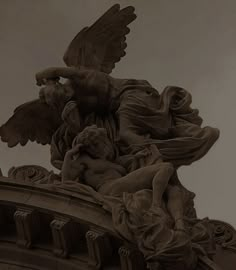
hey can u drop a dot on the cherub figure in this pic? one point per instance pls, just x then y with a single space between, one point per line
93 161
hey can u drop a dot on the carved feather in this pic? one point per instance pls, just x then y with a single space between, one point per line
103 44
34 121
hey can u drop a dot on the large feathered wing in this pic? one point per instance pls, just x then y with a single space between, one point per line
103 44
34 121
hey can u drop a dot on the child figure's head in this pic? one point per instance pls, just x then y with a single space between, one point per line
95 142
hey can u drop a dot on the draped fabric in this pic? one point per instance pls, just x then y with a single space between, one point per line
168 121
150 229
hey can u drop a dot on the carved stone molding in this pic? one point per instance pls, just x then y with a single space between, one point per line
65 234
29 173
27 226
131 259
99 248
225 234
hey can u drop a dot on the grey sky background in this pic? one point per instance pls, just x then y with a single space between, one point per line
189 43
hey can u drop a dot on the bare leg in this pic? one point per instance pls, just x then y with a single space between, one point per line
154 177
132 182
160 182
175 206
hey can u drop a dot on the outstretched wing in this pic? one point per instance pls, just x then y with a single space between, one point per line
103 44
34 121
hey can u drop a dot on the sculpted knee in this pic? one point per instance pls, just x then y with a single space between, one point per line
168 167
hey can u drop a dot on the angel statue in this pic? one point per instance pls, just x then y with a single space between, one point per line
131 110
147 135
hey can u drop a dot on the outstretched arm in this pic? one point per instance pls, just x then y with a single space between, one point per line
91 82
57 72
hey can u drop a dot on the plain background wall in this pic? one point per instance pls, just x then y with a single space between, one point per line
189 43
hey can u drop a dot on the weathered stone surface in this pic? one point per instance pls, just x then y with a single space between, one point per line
65 235
27 226
30 173
225 258
118 144
99 248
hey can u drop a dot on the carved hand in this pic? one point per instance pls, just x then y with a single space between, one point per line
71 167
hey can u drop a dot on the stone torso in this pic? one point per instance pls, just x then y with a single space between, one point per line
97 171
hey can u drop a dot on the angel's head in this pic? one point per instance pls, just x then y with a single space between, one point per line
56 94
95 142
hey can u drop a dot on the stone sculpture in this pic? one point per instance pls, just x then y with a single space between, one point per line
121 142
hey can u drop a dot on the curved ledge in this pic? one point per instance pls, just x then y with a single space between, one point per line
37 259
72 221
82 208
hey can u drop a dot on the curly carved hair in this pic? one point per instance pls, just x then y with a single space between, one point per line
90 135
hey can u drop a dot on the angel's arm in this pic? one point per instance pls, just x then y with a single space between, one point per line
56 72
88 82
